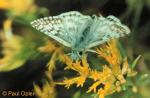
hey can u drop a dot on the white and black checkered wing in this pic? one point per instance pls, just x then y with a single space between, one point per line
65 28
104 29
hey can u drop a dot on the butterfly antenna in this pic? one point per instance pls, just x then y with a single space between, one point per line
93 51
99 14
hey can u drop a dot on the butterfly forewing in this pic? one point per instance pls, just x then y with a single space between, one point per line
51 26
65 28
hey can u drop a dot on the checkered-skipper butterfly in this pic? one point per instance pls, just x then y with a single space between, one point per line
81 32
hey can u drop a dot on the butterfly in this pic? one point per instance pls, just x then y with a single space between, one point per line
81 32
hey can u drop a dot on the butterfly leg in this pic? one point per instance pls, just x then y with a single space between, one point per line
93 51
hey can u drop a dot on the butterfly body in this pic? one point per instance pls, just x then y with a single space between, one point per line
80 32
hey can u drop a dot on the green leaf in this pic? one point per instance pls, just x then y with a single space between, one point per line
135 62
77 94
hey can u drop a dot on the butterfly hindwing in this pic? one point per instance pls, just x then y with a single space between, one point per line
104 29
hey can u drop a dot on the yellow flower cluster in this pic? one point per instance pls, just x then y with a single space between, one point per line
111 54
55 51
17 7
11 44
108 80
81 67
48 89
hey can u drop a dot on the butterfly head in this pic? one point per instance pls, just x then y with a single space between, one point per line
76 55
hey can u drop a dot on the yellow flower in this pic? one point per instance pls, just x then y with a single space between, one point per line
10 50
7 26
55 51
107 81
80 81
17 7
51 63
11 45
101 76
47 91
95 75
49 47
102 92
81 67
76 80
110 53
94 86
4 4
68 61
